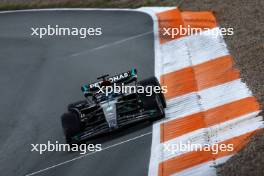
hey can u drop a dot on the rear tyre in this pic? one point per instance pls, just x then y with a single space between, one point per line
71 125
153 81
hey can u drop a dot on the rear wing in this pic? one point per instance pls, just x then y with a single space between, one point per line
126 78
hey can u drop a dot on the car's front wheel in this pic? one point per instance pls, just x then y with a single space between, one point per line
71 125
153 81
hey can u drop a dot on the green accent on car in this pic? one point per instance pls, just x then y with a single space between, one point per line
152 112
85 88
133 72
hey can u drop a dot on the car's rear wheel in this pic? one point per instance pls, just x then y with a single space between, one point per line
153 81
71 125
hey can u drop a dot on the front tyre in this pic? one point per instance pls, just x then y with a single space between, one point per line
71 125
158 105
153 81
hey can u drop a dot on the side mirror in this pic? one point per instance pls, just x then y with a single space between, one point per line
86 92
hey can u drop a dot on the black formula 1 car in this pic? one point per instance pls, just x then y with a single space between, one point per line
103 112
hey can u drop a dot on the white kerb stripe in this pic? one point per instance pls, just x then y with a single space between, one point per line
192 50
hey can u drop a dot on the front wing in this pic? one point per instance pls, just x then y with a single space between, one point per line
121 121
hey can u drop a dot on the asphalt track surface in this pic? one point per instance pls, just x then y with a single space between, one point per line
39 77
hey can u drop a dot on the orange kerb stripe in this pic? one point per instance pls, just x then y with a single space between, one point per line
194 158
179 82
220 114
199 19
231 110
215 72
175 19
205 75
178 127
169 19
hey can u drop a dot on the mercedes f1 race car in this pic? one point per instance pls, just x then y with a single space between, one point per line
103 111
